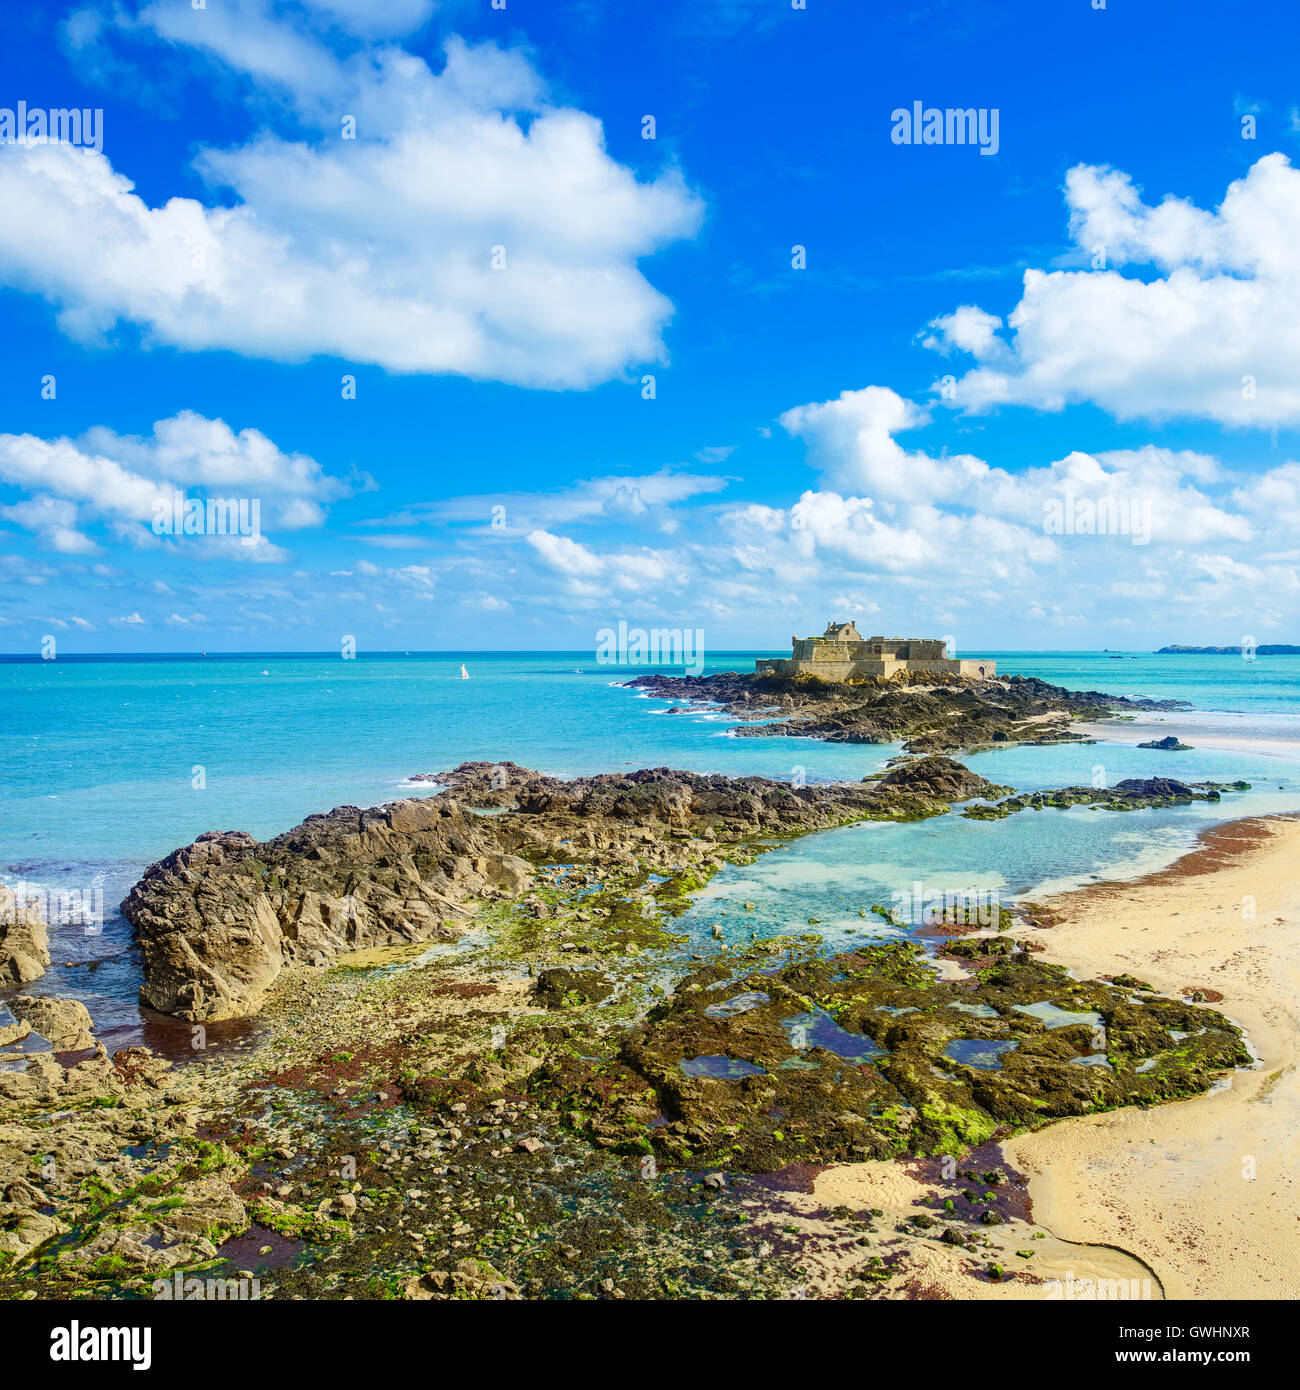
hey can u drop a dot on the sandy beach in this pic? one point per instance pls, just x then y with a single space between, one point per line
1205 1191
1196 1199
1041 1264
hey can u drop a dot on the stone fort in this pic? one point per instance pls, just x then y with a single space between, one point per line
841 653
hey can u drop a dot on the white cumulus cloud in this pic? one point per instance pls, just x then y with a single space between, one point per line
119 480
1183 311
449 221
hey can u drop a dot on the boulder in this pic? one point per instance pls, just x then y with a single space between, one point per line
24 940
211 1205
509 874
63 1023
219 919
937 777
40 1084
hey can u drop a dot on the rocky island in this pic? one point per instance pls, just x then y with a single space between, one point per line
928 712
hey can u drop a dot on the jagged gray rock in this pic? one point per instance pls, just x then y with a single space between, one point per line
219 919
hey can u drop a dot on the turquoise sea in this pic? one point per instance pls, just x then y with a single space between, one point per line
106 764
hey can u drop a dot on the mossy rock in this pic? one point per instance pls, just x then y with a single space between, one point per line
870 1054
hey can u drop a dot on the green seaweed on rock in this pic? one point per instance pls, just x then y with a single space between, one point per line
813 1102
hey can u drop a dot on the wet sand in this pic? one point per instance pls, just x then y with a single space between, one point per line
1227 735
1036 1263
1206 1191
1195 1199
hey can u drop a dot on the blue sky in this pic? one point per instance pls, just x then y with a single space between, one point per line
889 430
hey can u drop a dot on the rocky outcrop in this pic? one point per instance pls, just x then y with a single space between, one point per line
219 919
927 713
158 1241
1132 794
613 807
939 777
24 941
1172 744
63 1023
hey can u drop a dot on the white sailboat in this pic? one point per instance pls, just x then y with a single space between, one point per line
464 674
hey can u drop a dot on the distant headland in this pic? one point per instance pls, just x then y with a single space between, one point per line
1264 649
